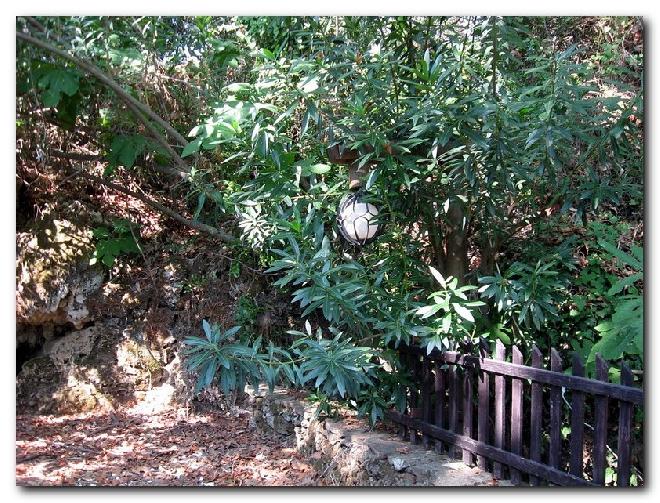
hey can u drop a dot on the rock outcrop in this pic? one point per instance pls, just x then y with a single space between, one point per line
349 453
53 275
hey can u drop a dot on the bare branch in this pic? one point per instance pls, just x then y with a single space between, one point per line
207 229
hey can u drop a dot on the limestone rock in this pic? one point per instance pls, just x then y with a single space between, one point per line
44 388
399 464
382 448
53 275
65 350
36 383
81 393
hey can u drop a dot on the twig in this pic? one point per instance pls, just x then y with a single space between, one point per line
189 84
207 229
69 177
30 457
75 156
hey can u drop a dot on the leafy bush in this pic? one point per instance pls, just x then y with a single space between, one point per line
335 366
623 334
526 294
457 320
113 242
220 358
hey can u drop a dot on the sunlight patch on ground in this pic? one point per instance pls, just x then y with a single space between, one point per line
133 448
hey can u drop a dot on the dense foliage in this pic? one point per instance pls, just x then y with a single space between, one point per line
505 155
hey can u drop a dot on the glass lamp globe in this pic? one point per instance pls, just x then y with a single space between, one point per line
357 219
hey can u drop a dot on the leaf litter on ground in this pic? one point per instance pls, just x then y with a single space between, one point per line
162 449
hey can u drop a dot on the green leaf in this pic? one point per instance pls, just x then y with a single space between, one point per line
623 257
232 331
192 147
50 98
124 150
207 330
496 331
108 259
341 386
625 282
309 85
438 277
463 312
201 199
611 346
373 175
610 475
427 311
55 83
446 323
533 137
263 144
266 106
238 87
319 169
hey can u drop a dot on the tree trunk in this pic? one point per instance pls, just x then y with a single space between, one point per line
456 263
488 253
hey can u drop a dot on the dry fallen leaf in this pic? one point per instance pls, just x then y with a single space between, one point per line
161 449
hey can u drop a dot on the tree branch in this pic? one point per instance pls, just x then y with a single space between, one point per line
36 24
182 166
75 156
96 72
494 64
198 226
183 170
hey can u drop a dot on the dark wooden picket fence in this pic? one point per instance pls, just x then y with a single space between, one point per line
516 432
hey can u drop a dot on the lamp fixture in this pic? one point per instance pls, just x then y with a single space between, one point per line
357 219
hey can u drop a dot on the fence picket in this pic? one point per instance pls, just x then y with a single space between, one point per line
577 422
623 443
467 413
536 413
453 405
426 400
439 388
554 452
516 414
483 413
600 427
412 433
500 400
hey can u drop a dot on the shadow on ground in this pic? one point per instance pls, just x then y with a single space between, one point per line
171 448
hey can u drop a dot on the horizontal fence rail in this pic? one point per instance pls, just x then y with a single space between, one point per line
617 391
530 421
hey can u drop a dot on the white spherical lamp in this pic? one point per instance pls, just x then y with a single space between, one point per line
357 219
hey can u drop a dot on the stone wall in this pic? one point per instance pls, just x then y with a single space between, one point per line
347 452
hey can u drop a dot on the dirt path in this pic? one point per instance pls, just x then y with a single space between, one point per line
162 449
